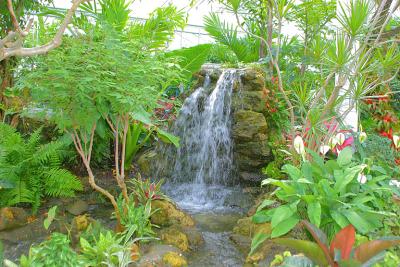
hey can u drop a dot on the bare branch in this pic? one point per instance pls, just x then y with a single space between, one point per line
17 49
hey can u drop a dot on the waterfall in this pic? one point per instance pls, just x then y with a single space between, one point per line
203 164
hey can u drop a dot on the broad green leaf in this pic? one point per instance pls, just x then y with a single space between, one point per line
143 116
167 137
345 156
344 178
192 58
281 214
51 214
358 221
284 226
263 216
265 203
257 241
308 248
314 213
293 172
280 183
339 218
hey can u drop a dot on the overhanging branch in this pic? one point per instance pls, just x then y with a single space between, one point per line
12 44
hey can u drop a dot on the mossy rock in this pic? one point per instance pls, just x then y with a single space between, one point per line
174 259
249 100
12 217
249 125
253 80
173 236
167 213
246 227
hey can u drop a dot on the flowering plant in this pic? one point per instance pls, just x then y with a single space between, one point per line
145 189
330 194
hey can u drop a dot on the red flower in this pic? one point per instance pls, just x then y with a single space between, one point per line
388 134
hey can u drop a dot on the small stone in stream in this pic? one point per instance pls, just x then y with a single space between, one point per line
12 217
174 259
77 207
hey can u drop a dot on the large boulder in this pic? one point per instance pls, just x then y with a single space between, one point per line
248 126
167 214
12 217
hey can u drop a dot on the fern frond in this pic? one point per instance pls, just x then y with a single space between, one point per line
60 182
48 152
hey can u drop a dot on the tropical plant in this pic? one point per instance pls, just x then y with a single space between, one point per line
105 248
136 217
245 48
53 252
145 190
341 250
330 194
29 171
89 80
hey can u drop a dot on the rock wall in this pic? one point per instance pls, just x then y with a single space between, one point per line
249 127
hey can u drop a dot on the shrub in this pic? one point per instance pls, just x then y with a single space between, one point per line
29 170
330 194
54 252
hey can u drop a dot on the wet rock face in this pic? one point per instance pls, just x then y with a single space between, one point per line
249 125
168 214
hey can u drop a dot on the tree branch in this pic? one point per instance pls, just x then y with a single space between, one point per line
15 48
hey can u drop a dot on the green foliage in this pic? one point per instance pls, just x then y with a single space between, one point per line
136 218
54 252
29 171
341 251
329 195
101 247
390 259
145 190
192 58
221 54
159 29
51 215
245 48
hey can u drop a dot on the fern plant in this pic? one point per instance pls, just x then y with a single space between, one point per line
29 170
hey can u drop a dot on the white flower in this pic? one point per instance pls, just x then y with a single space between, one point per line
362 179
332 142
394 183
299 145
340 137
362 137
324 149
396 141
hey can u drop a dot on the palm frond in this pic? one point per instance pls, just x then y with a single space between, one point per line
227 34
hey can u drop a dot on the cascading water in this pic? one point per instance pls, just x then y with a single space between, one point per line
203 164
201 173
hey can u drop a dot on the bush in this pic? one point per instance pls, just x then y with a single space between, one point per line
30 170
